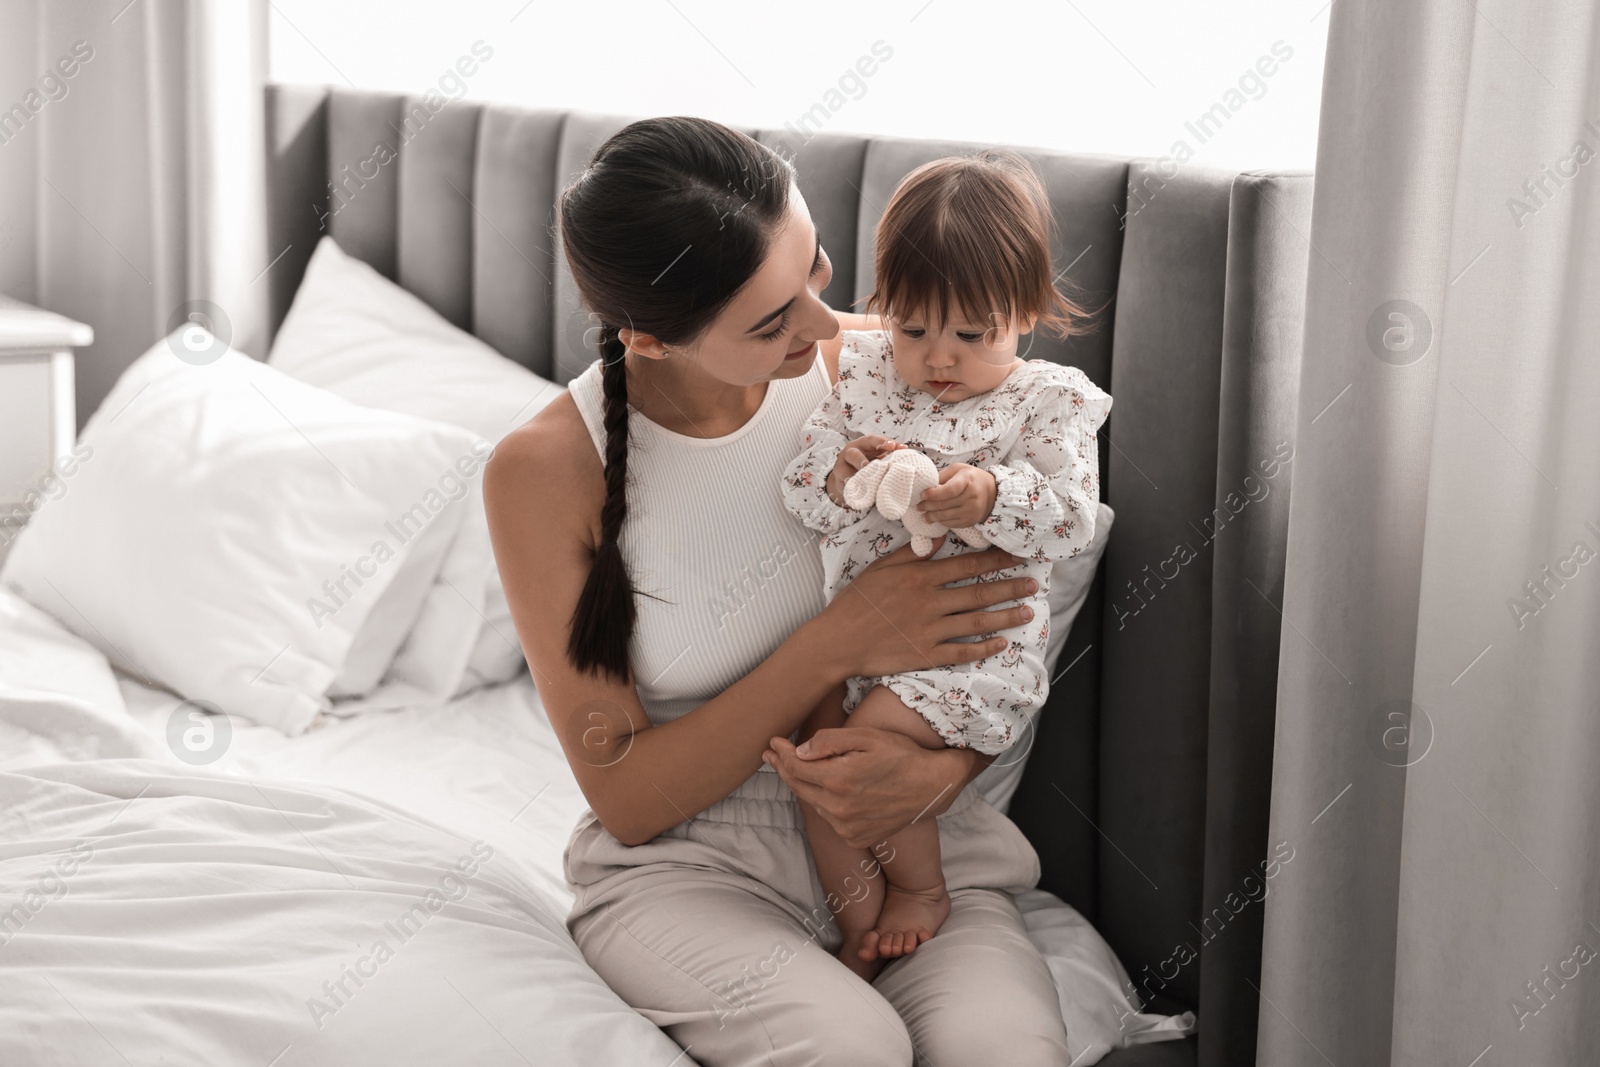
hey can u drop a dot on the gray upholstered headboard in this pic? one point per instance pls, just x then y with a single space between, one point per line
1147 788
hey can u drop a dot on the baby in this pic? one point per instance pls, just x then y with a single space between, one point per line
963 270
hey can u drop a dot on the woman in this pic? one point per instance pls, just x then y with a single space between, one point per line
672 613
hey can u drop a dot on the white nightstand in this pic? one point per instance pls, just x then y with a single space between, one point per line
38 415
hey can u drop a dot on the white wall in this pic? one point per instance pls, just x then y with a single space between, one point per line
1105 76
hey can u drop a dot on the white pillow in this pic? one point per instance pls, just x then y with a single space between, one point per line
396 611
1091 983
357 334
234 530
1070 580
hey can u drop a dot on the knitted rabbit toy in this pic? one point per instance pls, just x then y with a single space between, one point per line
895 482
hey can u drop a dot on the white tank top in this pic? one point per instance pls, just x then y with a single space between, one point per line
729 571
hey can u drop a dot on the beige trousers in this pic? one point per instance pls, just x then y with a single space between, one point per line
716 932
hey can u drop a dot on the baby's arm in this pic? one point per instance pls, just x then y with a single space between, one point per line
813 484
881 709
805 480
1048 484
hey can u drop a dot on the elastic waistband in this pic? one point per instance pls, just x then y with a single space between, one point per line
764 799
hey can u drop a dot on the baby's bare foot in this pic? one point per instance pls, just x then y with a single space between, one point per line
853 954
909 917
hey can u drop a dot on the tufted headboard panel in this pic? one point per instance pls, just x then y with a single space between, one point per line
1147 786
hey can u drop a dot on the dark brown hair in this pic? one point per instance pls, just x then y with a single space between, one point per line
669 220
971 234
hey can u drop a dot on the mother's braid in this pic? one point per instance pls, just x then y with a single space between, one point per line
602 624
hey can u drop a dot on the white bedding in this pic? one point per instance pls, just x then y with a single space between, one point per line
207 906
486 765
199 918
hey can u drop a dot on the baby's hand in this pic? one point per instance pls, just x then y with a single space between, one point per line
854 456
964 497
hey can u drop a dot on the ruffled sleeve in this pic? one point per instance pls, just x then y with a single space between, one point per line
805 480
1048 482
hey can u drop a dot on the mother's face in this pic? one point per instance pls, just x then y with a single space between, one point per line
771 327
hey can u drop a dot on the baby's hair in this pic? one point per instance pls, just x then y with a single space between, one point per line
971 234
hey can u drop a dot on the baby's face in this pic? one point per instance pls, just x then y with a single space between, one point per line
965 358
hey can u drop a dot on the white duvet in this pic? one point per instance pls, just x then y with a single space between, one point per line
385 889
163 916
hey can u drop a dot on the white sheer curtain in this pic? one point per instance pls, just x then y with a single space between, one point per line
149 193
1439 693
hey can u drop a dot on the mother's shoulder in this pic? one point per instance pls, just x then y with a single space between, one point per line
551 449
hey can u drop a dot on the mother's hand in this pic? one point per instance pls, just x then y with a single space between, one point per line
903 613
870 784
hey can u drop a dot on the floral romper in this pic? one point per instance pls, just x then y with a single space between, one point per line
1035 433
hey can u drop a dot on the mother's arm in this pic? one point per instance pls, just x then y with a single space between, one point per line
871 784
543 489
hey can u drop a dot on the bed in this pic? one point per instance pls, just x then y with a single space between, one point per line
382 884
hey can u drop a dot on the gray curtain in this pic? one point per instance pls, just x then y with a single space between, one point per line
134 185
1439 684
